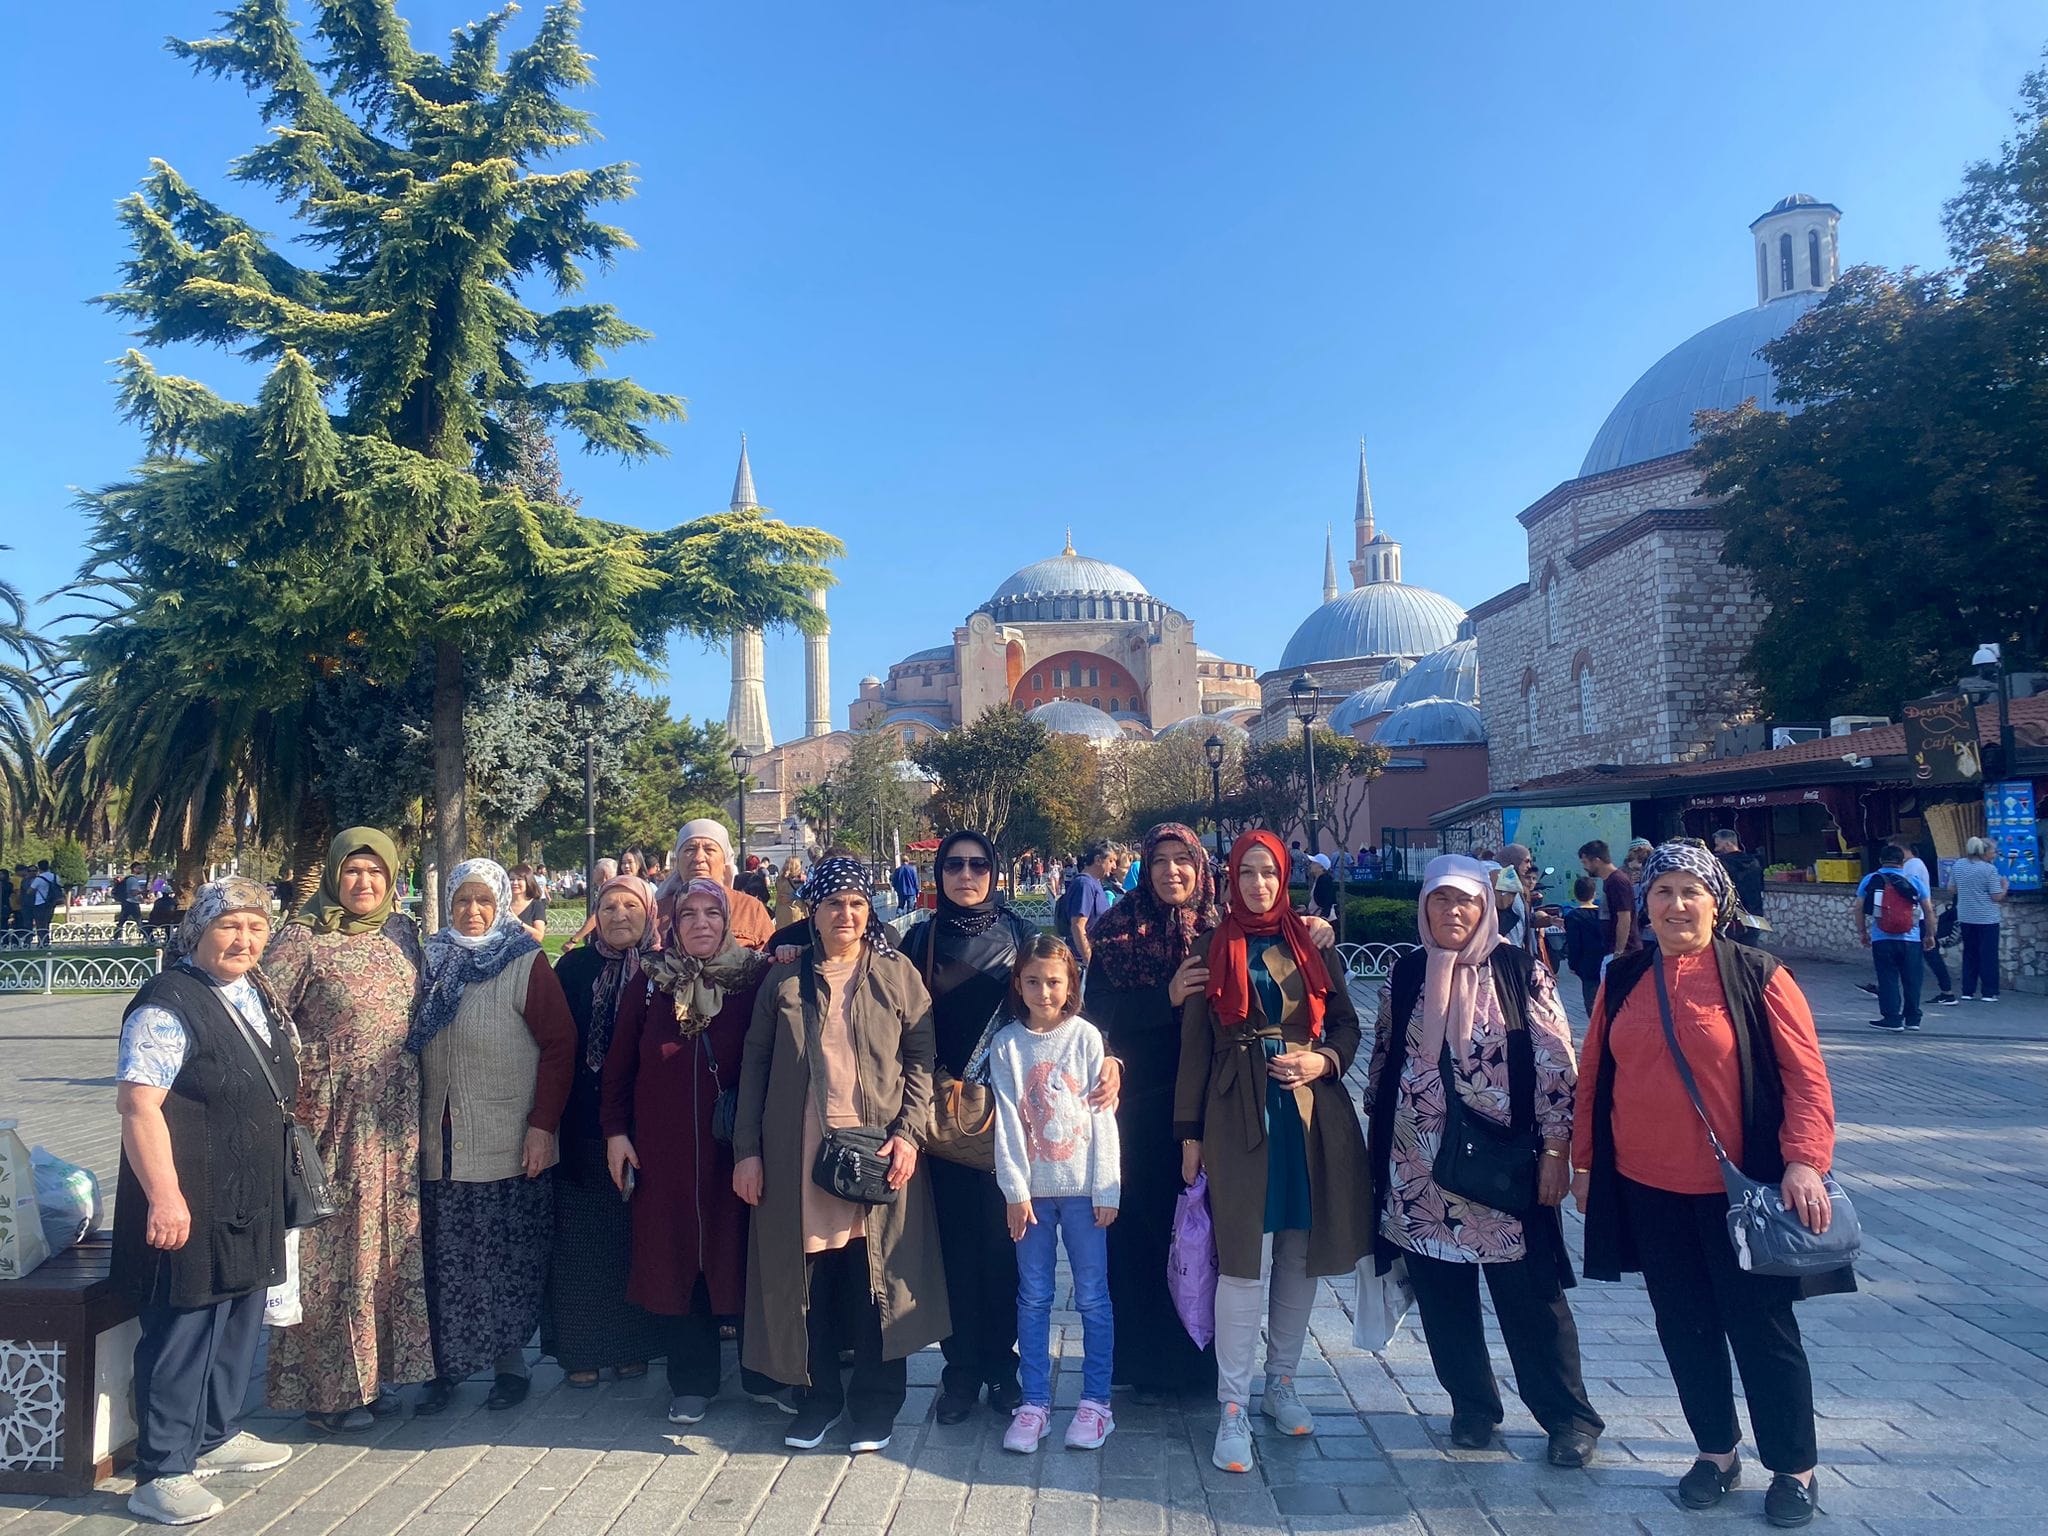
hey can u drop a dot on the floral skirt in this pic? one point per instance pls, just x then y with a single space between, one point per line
487 1267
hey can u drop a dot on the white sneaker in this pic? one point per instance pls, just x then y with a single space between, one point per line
175 1500
1283 1405
1233 1452
244 1453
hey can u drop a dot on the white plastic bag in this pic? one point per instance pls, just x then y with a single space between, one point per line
281 1303
22 1244
1383 1302
67 1196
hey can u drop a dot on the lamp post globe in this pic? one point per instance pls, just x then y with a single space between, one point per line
1989 661
1307 697
741 760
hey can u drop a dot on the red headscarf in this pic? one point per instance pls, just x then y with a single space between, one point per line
1230 980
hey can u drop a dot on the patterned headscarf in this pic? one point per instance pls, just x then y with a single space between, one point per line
835 877
215 900
1695 858
699 987
325 913
620 967
454 960
1141 941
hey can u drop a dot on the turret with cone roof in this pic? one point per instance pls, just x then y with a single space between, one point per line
1375 556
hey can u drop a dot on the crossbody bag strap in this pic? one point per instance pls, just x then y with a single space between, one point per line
1678 1060
248 1034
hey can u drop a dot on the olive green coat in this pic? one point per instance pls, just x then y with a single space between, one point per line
1220 1099
891 1017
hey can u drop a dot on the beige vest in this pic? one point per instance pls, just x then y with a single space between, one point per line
479 1072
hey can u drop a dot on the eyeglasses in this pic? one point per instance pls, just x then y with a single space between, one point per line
960 865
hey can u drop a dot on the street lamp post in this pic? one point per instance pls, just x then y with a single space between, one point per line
1990 664
877 860
742 760
1213 747
825 792
588 704
1308 698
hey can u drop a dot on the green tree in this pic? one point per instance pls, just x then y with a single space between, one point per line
1275 793
874 777
305 542
1169 781
25 656
977 770
1060 804
1895 523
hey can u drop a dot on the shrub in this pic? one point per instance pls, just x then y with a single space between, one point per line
1379 920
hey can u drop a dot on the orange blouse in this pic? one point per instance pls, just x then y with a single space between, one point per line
1658 1138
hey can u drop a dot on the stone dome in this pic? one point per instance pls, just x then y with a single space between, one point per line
1396 667
1068 573
1363 705
1202 727
1450 673
1070 717
1381 618
1431 723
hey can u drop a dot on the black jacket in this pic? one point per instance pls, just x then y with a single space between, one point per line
968 977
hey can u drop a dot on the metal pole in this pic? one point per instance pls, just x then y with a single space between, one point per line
1308 747
2005 759
589 822
743 825
1216 805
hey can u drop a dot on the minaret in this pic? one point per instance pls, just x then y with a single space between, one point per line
746 713
818 677
1329 565
1361 524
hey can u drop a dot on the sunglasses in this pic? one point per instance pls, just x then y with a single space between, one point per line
959 865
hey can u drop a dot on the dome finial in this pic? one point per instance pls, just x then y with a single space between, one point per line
1070 540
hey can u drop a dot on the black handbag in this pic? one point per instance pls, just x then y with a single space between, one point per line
725 1108
850 1165
1480 1159
1768 1238
309 1197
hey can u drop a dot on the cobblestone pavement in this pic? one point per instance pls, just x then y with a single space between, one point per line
1932 1382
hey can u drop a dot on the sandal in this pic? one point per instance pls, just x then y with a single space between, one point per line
581 1380
630 1372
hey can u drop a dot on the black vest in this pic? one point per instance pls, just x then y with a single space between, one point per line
228 1145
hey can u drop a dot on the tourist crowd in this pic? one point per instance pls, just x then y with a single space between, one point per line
768 1112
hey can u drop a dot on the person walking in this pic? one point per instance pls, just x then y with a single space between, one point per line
1060 1170
788 885
530 899
346 967
1617 897
1745 877
133 888
841 1039
1469 1026
1086 902
497 1050
41 901
590 1321
906 885
1644 1173
1585 939
1260 1105
199 1238
1896 924
1979 891
1915 868
1323 889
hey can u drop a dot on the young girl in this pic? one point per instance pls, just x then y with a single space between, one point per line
1059 1167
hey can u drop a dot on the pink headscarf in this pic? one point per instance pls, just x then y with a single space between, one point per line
1450 989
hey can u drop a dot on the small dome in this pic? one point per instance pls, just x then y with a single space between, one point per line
1431 723
871 679
1451 673
932 653
1399 666
1202 727
1381 618
1363 705
1070 717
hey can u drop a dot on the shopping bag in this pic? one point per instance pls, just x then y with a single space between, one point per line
67 1196
1383 1301
22 1244
1191 1262
281 1302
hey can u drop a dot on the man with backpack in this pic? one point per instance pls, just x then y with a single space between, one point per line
1896 922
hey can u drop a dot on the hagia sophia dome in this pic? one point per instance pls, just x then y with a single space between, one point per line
1070 717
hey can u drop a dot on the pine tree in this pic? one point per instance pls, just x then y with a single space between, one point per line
365 507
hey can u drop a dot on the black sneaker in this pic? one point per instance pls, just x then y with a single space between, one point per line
1471 1431
953 1407
1571 1448
1789 1503
1867 986
1947 999
1005 1397
1910 1024
813 1422
872 1437
1704 1486
1891 1024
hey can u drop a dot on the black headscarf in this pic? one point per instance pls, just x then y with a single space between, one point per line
982 915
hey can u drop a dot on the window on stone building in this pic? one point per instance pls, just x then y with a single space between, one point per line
1553 608
1037 683
1585 683
1784 263
1813 256
1095 703
1114 706
1529 713
1094 677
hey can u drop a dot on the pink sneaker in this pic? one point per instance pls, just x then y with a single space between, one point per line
1027 1427
1091 1425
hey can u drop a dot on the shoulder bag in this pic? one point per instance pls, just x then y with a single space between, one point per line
1768 1238
963 1108
309 1197
849 1164
1480 1159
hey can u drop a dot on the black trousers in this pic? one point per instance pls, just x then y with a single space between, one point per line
695 1362
981 1277
1707 1305
1535 1320
192 1371
845 1316
1980 958
1589 988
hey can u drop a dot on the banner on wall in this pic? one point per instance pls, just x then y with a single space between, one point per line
2010 823
1941 740
1553 834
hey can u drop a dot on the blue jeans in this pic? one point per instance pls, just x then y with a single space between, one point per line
1899 969
1088 1258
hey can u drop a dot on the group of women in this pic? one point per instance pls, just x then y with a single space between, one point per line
483 1112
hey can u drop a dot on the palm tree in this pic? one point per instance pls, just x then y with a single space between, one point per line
24 718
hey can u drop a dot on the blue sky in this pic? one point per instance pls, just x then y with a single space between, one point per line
969 273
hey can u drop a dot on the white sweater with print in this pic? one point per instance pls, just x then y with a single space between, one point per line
1049 1143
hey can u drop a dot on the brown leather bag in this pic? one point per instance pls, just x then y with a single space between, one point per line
963 1128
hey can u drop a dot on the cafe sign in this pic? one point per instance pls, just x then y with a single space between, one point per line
1941 740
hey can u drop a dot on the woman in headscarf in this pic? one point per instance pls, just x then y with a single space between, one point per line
841 1037
346 968
1260 1106
1472 1015
703 851
788 886
682 1026
590 1322
1644 1173
497 1049
963 950
199 1237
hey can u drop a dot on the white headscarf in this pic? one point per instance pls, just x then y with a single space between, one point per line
675 880
454 960
1450 989
490 874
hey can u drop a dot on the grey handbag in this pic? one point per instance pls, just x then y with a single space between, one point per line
1768 1239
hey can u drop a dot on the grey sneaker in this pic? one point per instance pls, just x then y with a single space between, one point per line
1283 1405
687 1409
178 1500
244 1453
1233 1451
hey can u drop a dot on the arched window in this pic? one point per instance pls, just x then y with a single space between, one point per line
1553 608
1784 263
1114 706
1585 685
1037 685
1763 272
1095 703
1813 256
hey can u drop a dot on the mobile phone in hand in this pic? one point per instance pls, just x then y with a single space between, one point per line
632 1179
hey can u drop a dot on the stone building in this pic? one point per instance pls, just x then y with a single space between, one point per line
1625 643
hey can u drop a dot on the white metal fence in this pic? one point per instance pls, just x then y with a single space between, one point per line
74 936
76 973
1372 962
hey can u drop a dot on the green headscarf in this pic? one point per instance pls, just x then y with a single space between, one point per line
325 912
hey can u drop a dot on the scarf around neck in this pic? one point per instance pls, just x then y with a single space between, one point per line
1230 983
699 987
455 960
617 972
1141 941
1450 986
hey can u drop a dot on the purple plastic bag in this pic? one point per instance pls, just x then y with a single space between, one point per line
1191 1263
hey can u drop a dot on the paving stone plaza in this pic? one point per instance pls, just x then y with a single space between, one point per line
1932 1382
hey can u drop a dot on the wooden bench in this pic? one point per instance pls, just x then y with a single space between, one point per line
67 1374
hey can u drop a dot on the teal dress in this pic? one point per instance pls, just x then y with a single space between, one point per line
1287 1197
